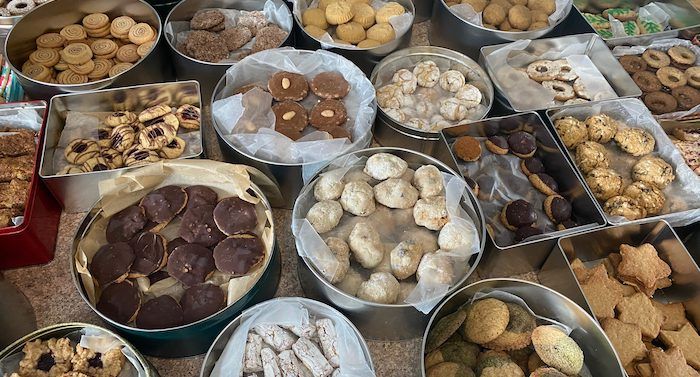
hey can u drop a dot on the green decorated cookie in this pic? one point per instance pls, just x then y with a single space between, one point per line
597 21
622 14
605 33
649 27
630 28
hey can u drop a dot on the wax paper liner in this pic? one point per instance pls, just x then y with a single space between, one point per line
294 311
394 226
682 205
93 339
526 94
20 118
663 45
177 31
248 121
401 24
467 13
128 189
84 125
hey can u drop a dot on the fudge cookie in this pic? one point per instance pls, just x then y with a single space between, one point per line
531 166
191 264
112 263
486 320
671 77
660 102
647 81
656 59
544 183
572 131
635 141
46 358
686 97
328 113
518 213
633 64
467 148
151 254
198 226
81 150
653 170
604 183
125 224
625 207
120 301
160 313
557 208
330 85
163 204
234 215
239 254
647 195
601 128
591 155
497 145
201 301
290 114
288 86
522 144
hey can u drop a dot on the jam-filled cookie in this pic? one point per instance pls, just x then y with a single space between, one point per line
156 136
81 150
46 358
188 116
172 150
96 364
137 156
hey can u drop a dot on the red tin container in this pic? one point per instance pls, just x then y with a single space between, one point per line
34 240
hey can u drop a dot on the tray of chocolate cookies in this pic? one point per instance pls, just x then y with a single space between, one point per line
628 162
167 250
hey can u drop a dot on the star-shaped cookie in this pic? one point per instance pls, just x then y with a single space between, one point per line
639 310
626 339
602 292
674 315
643 265
688 340
670 363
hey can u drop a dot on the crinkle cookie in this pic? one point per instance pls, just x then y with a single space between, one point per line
381 166
325 215
46 358
469 93
572 131
427 73
382 288
431 212
452 80
453 235
591 155
391 97
335 270
366 245
328 187
604 183
428 180
435 268
601 128
455 109
635 141
406 80
358 198
405 258
653 170
396 193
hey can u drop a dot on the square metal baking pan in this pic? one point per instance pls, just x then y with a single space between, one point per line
596 50
79 192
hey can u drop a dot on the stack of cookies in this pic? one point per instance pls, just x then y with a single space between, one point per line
687 140
96 49
126 138
17 149
650 175
512 15
651 338
490 337
214 236
353 22
598 13
211 40
668 79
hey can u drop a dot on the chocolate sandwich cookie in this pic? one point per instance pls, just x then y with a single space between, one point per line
151 254
497 144
531 166
290 114
330 85
199 195
526 232
160 313
201 301
288 86
544 183
557 208
522 144
191 264
239 254
328 113
111 263
517 214
120 302
125 224
163 204
234 215
198 226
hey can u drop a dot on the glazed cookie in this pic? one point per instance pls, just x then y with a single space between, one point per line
427 73
198 195
635 141
654 171
656 59
239 254
288 86
566 71
330 85
671 77
633 64
626 207
648 196
601 128
91 363
517 214
604 183
660 102
572 131
111 263
591 155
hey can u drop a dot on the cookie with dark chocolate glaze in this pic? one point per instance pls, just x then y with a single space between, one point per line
497 144
111 263
557 208
239 254
120 302
151 254
234 215
175 243
522 144
199 195
544 183
526 232
198 226
201 301
517 214
531 166
163 204
160 313
125 224
191 264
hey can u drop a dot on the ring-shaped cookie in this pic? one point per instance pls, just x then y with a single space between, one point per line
542 70
561 90
692 75
671 77
656 58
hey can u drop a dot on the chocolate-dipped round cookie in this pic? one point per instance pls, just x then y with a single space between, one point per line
151 254
111 263
201 301
175 243
557 208
198 226
544 183
510 125
517 214
120 302
125 224
191 264
234 215
163 204
239 254
526 232
160 313
497 144
200 195
158 276
567 224
531 166
522 144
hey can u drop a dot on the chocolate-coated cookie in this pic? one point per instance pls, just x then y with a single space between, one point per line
557 208
111 263
151 254
510 126
544 183
125 224
497 144
288 86
198 226
234 215
567 224
531 166
201 301
239 254
160 313
175 243
517 214
522 144
328 113
163 204
120 302
198 195
338 132
290 114
330 85
191 264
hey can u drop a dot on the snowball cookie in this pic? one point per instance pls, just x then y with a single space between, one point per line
335 270
435 268
428 180
366 245
423 237
431 212
405 258
381 166
325 215
328 187
408 175
382 288
358 198
454 235
396 193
